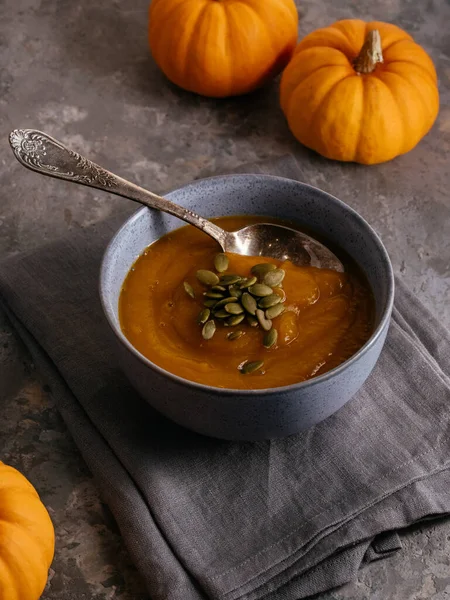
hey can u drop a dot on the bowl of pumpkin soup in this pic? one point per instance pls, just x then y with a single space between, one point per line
239 347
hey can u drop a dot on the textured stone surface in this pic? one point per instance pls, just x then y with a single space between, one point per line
81 71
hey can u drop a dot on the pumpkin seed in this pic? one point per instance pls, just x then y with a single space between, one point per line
269 301
248 282
249 303
274 278
221 262
235 320
209 303
229 279
203 316
266 324
252 321
218 288
221 314
207 277
234 335
217 295
274 311
224 301
209 329
270 338
280 292
235 291
189 289
262 268
251 367
234 308
260 290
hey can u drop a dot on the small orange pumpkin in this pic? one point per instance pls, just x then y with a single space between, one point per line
27 539
222 48
363 92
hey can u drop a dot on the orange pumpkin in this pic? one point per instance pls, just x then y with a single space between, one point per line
222 48
357 91
27 538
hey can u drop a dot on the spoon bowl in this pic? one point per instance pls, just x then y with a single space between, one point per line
41 153
281 243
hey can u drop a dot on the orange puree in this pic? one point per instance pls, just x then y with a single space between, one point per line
328 316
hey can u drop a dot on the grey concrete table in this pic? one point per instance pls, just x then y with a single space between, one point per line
81 71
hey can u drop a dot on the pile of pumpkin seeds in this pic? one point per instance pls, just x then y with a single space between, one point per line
230 299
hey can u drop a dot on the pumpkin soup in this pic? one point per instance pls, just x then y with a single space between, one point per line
241 322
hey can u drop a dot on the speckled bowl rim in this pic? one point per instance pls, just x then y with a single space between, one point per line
246 178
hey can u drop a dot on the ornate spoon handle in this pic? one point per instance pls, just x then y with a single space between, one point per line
42 153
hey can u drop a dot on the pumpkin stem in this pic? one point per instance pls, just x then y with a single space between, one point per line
370 55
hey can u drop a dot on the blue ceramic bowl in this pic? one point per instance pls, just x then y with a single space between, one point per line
251 414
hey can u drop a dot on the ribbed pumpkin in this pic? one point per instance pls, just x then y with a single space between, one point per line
27 538
222 48
357 91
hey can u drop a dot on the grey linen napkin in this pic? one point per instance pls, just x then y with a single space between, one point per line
204 518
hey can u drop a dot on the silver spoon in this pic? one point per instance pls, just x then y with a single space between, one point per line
40 152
